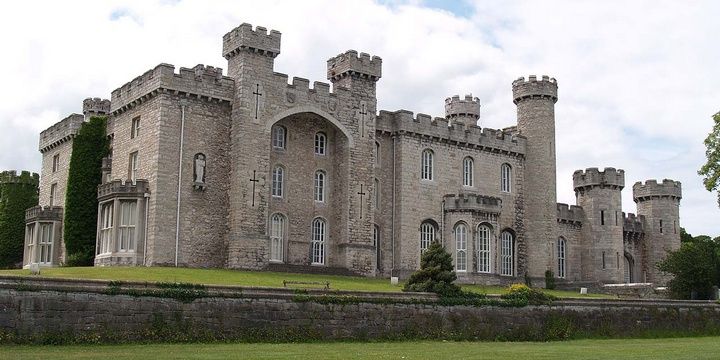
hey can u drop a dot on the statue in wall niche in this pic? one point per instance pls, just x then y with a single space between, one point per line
199 173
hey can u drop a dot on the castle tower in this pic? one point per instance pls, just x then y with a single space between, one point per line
535 102
95 107
462 112
598 192
660 204
17 193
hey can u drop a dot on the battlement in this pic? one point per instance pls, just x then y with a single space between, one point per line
592 177
123 188
651 189
48 213
532 88
570 214
404 122
202 82
25 177
472 202
633 223
96 106
354 65
258 41
467 107
61 132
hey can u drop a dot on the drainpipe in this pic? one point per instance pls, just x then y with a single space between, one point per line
183 104
147 204
392 217
442 223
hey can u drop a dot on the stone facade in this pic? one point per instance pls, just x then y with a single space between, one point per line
255 170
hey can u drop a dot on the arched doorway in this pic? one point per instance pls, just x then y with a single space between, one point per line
628 271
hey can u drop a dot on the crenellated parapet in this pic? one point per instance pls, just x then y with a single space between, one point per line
633 223
96 106
651 189
202 82
62 131
119 188
47 213
463 111
350 64
570 214
438 129
25 177
592 177
473 202
245 38
532 88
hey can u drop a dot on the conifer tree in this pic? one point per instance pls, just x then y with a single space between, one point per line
436 273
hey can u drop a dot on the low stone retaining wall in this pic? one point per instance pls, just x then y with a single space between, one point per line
47 310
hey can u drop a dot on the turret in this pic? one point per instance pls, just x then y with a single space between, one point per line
535 102
599 194
660 204
95 107
349 68
250 50
462 111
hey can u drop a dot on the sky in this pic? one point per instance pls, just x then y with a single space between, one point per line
638 80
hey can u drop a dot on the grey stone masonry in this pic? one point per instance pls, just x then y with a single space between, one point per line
462 111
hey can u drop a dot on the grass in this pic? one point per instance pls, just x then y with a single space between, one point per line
247 278
674 348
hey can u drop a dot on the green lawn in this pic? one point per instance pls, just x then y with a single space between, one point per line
675 348
244 278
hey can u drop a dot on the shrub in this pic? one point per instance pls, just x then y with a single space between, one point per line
524 293
696 266
436 273
549 280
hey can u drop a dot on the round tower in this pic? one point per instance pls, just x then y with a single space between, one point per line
535 100
464 112
18 192
660 204
598 192
95 107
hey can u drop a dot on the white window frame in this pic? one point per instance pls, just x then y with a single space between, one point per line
279 137
106 227
484 250
507 254
427 235
319 234
561 257
127 225
53 193
56 163
320 144
468 169
135 127
461 234
506 178
30 241
133 166
277 237
45 243
278 182
426 165
320 185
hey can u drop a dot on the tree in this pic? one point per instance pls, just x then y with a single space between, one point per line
90 146
711 170
17 194
685 236
695 266
436 273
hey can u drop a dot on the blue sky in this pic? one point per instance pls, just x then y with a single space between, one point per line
637 80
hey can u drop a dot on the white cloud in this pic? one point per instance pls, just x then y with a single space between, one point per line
638 81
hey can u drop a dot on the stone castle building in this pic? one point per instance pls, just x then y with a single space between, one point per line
249 170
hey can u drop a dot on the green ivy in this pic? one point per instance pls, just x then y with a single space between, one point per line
90 146
15 198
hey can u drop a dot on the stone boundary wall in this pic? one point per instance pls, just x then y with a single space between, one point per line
35 307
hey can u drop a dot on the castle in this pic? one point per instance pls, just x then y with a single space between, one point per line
251 171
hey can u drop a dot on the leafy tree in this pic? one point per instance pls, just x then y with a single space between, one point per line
85 174
436 273
696 266
685 236
711 170
15 198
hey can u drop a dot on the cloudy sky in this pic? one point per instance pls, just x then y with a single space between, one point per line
638 80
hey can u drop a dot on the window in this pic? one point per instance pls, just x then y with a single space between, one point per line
376 193
106 224
279 137
507 253
561 258
376 244
484 265
468 171
320 141
427 165
377 154
53 194
674 227
602 217
30 241
45 243
56 163
616 218
617 260
320 186
505 178
277 181
603 260
661 228
461 248
135 128
133 167
318 241
427 236
277 237
128 210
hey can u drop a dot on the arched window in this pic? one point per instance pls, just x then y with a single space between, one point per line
507 253
376 244
318 241
505 178
277 237
468 171
278 176
484 258
376 193
561 252
320 186
279 137
377 154
320 142
427 165
427 235
461 248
